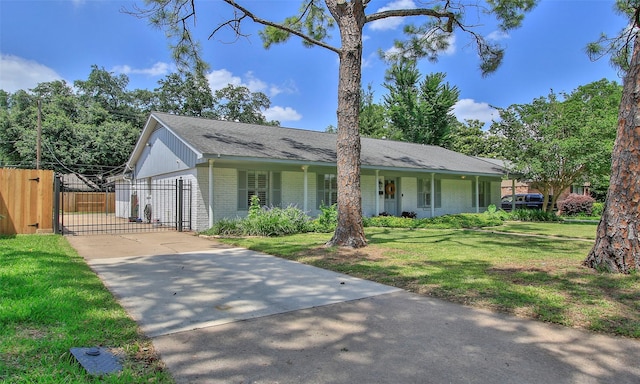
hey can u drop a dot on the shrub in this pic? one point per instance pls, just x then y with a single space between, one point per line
225 227
598 208
575 204
275 222
327 220
533 215
264 222
410 215
462 220
389 222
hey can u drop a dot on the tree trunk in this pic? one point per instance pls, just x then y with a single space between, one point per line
350 230
617 247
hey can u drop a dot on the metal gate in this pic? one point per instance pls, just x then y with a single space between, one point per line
86 206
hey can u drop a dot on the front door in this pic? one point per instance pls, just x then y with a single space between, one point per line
390 193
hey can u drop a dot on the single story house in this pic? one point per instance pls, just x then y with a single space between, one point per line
228 162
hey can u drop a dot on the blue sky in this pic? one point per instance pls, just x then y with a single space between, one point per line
45 40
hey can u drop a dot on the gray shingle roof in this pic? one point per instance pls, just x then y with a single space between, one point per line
230 139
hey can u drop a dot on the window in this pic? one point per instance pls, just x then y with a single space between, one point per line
577 189
424 193
264 184
327 190
484 193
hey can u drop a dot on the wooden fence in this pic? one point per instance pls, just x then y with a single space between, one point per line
26 201
104 202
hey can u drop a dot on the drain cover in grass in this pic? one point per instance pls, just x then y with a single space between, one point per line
97 361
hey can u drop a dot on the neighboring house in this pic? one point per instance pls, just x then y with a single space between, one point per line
512 184
228 162
518 186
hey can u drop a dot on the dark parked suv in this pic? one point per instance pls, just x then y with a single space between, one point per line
523 201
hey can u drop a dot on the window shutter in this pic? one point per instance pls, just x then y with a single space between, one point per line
243 196
320 190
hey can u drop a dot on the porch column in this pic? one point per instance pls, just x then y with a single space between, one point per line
513 194
377 199
432 203
211 192
477 196
305 168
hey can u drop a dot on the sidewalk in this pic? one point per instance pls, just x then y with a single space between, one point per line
227 315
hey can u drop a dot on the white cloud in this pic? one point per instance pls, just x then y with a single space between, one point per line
254 84
391 22
19 73
367 61
497 36
282 114
220 78
157 69
469 109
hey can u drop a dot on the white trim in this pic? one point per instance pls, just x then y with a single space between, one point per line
211 221
305 203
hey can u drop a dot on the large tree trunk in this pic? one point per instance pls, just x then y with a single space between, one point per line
617 247
350 230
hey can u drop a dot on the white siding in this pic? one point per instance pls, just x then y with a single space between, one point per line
409 197
370 196
456 197
163 200
164 153
123 199
293 189
225 194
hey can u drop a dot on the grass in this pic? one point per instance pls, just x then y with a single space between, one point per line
574 230
51 301
537 276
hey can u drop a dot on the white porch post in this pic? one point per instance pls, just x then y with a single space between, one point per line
305 168
513 194
211 193
477 196
377 192
432 203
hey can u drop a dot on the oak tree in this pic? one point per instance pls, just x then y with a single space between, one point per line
555 142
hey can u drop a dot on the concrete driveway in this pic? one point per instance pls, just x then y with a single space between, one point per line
227 315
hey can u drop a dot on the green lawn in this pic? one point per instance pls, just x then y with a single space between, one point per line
51 301
536 277
579 230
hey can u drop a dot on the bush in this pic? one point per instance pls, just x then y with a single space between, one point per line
264 222
389 222
226 227
327 220
533 215
461 220
575 204
598 209
276 222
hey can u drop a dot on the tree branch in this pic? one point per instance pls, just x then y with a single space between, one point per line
268 23
414 12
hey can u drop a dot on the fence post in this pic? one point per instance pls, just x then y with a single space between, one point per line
56 204
180 203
